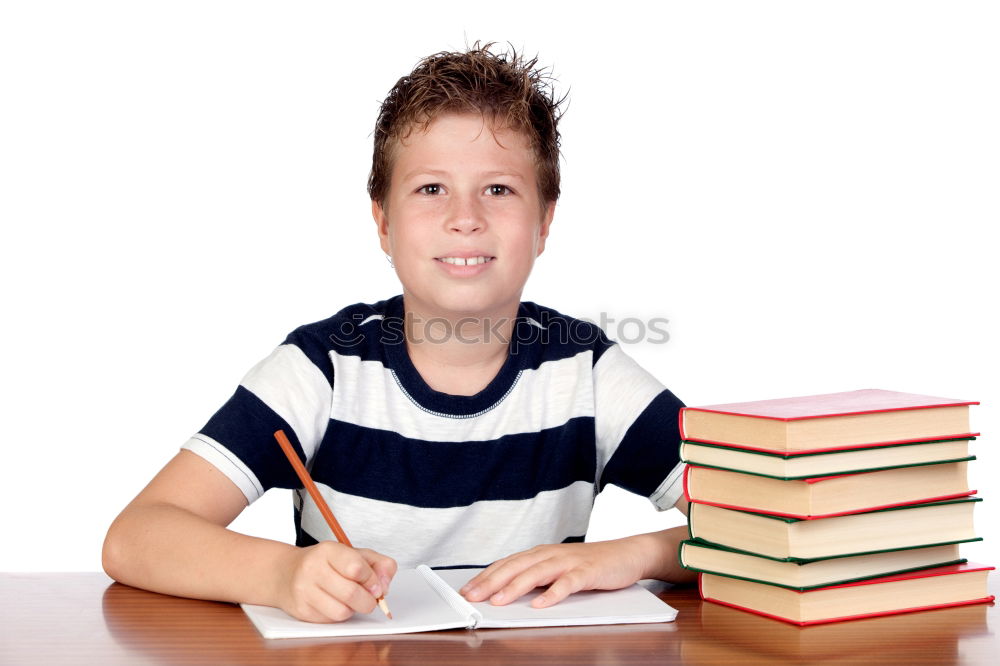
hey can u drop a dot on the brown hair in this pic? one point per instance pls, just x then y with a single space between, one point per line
506 88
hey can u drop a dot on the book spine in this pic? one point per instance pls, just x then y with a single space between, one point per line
451 597
690 521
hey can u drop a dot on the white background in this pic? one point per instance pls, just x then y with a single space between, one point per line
807 191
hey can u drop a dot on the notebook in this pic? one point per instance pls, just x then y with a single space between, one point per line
425 600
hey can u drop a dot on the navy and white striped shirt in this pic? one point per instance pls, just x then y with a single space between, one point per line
444 480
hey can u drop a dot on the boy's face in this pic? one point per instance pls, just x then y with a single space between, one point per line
456 191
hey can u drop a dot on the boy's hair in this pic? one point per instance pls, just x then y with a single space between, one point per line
506 88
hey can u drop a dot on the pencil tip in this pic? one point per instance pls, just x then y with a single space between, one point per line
384 607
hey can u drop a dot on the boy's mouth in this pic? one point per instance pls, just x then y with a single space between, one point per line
465 261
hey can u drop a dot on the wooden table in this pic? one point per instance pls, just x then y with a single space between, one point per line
87 618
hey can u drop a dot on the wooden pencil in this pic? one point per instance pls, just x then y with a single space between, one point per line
324 508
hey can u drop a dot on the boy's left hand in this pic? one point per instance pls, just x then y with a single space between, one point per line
566 568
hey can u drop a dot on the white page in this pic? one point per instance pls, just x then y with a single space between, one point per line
414 604
629 605
416 607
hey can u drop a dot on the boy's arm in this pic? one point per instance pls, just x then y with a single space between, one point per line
172 539
570 567
663 550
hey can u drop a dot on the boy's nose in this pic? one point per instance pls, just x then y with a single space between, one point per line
466 214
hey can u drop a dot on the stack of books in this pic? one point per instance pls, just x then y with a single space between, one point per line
831 507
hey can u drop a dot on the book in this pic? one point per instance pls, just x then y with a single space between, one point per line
426 600
793 539
808 464
910 638
806 574
826 495
828 422
940 587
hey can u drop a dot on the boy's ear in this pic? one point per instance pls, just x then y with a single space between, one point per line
543 230
382 224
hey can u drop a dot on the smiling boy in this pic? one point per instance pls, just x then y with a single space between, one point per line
450 425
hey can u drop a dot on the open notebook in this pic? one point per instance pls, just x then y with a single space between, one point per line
426 600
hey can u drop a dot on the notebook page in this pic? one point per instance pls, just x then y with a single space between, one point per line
414 604
633 604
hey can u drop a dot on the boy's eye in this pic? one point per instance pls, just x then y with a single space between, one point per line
434 188
498 190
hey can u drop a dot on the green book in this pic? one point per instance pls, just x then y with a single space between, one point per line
810 464
805 575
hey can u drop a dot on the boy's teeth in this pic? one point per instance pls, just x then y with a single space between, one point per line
458 261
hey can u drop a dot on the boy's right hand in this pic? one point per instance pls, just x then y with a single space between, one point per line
329 582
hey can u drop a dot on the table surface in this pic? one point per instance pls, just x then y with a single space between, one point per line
58 618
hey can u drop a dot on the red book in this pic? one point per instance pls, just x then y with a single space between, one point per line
939 587
828 422
903 638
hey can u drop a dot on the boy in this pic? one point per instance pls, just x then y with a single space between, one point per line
451 425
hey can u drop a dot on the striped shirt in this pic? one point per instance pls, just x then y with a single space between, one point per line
447 480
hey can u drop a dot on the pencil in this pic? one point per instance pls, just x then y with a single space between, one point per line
324 508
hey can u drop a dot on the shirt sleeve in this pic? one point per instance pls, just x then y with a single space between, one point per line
638 440
286 390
